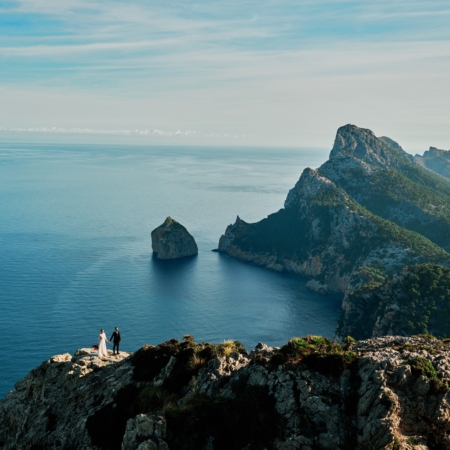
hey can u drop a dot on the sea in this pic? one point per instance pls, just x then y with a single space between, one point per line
76 255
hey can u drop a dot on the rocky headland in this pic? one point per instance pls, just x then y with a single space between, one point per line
357 225
384 393
171 240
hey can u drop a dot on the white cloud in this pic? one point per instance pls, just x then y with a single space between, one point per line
117 132
286 73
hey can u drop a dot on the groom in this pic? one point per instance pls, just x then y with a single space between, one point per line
115 337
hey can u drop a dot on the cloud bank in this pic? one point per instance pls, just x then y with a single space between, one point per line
287 73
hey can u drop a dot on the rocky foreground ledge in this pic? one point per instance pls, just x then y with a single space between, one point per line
384 393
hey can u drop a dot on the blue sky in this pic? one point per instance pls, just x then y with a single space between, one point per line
276 73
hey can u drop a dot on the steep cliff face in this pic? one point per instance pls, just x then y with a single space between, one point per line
383 178
415 300
171 240
383 393
362 144
436 160
323 233
352 226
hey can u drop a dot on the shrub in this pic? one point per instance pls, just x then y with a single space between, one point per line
423 367
317 352
188 338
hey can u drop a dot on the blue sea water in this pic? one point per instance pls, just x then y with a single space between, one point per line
75 249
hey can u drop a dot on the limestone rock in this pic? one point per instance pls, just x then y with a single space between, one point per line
436 160
145 432
395 394
171 240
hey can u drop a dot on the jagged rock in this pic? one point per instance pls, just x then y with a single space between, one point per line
324 233
354 224
49 407
145 432
171 240
436 160
395 394
383 178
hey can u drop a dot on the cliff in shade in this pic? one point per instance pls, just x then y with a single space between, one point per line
310 394
353 225
171 240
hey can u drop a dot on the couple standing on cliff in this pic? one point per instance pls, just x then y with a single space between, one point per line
115 337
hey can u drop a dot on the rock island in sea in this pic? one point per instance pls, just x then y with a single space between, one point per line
171 240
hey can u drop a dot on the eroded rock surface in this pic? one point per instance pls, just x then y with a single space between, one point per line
171 240
384 393
436 160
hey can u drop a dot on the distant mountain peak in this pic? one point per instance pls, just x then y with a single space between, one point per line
361 143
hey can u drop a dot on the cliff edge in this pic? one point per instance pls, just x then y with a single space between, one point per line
384 393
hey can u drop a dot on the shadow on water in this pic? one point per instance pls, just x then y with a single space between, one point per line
170 278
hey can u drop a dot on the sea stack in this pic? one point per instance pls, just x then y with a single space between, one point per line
171 240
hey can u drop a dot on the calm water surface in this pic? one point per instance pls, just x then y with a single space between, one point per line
75 249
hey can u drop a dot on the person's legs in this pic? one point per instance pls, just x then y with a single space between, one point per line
114 348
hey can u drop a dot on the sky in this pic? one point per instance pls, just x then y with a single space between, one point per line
260 73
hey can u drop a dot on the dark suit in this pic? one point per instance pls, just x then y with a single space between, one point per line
115 337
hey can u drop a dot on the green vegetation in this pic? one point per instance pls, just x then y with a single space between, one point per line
422 292
426 300
289 233
405 186
423 367
371 278
316 352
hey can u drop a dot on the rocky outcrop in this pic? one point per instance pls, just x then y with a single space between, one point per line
370 210
362 144
384 179
383 393
171 240
436 160
415 300
49 407
323 233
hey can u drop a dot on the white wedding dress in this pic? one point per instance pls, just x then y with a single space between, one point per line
102 345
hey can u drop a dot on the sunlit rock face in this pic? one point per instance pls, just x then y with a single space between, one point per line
311 393
436 160
171 240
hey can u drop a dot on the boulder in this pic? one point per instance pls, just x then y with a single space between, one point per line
171 240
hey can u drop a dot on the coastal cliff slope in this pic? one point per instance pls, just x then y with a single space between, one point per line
353 225
323 233
415 300
385 393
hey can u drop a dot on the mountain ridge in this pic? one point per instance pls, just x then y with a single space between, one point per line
370 205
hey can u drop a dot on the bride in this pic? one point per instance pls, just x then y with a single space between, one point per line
102 344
